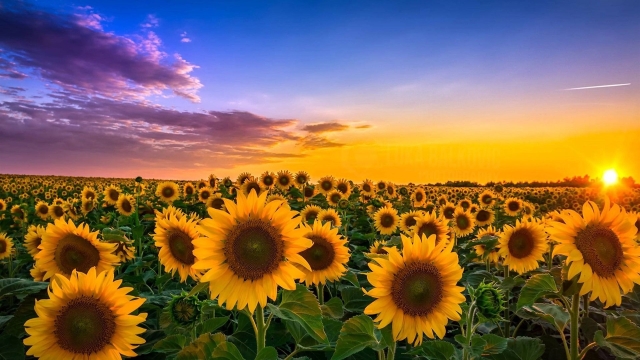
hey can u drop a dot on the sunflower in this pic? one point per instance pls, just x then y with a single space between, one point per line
87 206
330 215
252 184
442 200
212 181
65 248
327 257
391 190
409 220
188 189
326 184
416 292
487 198
418 197
36 273
344 187
275 197
18 213
204 194
301 178
215 201
527 210
310 213
367 188
6 246
124 250
599 246
126 205
285 180
484 217
168 191
250 251
227 182
465 204
174 236
242 178
267 179
87 316
89 194
463 222
378 249
42 210
334 197
111 195
33 239
386 220
201 184
493 256
3 205
447 210
381 186
512 206
428 224
309 191
523 246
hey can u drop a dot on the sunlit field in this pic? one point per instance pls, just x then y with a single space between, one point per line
280 265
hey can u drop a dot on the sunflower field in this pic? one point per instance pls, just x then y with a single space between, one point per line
281 267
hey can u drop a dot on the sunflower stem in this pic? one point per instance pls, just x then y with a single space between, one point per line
391 353
586 349
506 308
585 301
575 312
321 293
261 329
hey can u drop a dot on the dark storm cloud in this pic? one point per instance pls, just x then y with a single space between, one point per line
74 52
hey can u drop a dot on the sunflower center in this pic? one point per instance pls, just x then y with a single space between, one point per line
600 248
253 186
43 209
113 194
268 180
308 191
181 247
483 215
335 198
387 220
366 187
310 215
126 206
3 246
382 186
301 179
486 199
320 255
90 195
168 192
188 190
84 326
253 249
410 221
217 203
417 289
638 224
419 197
58 211
514 206
343 188
428 229
462 222
75 252
521 243
283 180
205 195
448 213
326 185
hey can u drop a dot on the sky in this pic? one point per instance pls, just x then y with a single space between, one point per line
404 91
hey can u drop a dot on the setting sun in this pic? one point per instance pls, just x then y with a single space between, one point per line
610 177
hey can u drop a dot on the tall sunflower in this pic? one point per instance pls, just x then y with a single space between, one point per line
174 236
188 189
386 220
310 213
334 197
87 316
33 239
523 245
215 201
367 188
327 257
250 251
6 246
42 210
126 205
344 187
416 291
600 247
326 184
268 179
242 178
204 194
301 178
419 197
487 198
493 255
463 223
252 184
89 194
168 191
330 215
409 220
484 217
212 181
56 211
111 194
285 180
512 206
430 224
66 247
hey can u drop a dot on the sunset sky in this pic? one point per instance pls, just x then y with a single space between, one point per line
401 91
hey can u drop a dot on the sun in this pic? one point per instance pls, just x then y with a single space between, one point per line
610 177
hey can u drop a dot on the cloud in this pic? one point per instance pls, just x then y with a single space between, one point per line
312 141
185 39
365 126
151 21
325 127
84 132
73 52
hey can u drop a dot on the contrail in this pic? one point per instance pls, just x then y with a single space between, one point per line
597 86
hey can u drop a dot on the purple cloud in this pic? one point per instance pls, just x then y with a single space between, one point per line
184 37
325 127
73 52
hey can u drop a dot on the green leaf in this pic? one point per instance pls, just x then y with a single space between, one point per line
537 286
202 348
494 344
20 287
554 314
137 231
354 299
351 277
521 348
333 308
623 338
170 344
211 325
435 350
356 335
198 288
12 348
227 351
301 306
268 353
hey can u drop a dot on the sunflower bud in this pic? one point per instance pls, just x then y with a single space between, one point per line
343 204
489 300
184 309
